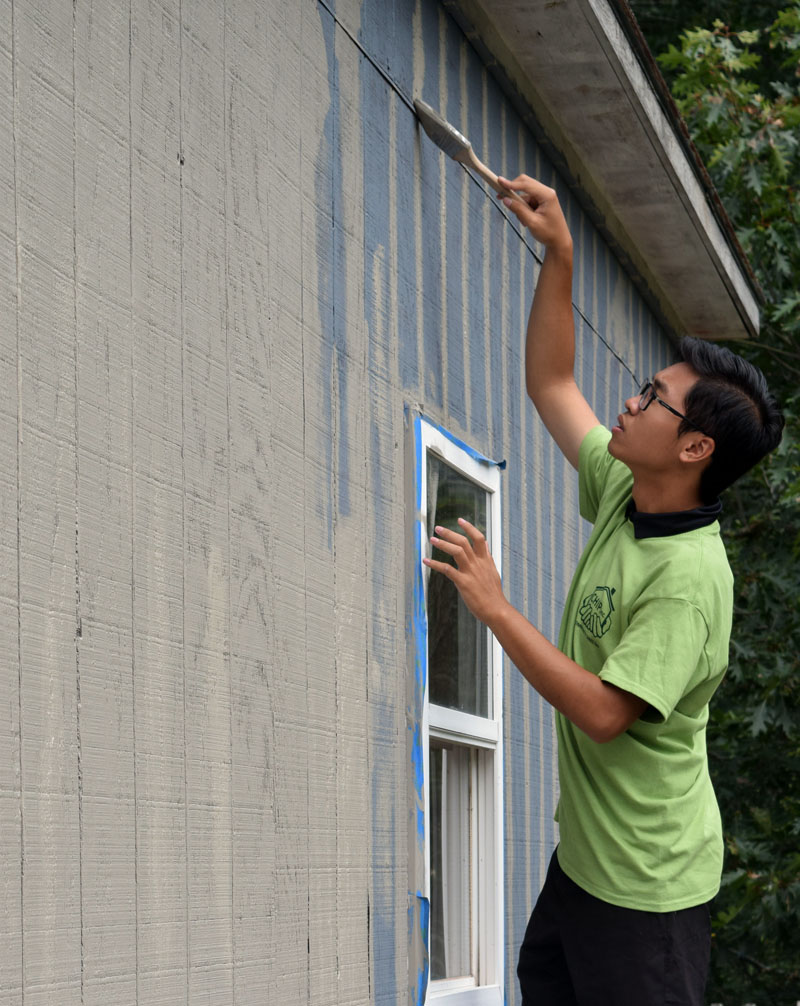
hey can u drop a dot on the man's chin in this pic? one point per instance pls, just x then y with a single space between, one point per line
615 452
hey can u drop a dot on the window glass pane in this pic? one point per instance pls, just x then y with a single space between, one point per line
458 668
451 852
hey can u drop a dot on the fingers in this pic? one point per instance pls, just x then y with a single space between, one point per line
534 199
472 570
522 211
523 208
477 537
458 545
535 191
539 210
451 543
473 534
440 567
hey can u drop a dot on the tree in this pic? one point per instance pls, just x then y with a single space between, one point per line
739 92
663 21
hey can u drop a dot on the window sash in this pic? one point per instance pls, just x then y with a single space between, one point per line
450 724
481 995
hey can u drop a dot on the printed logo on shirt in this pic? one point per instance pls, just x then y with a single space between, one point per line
594 614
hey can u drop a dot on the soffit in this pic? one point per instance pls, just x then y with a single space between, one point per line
598 99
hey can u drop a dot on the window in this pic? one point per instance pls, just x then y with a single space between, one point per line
461 738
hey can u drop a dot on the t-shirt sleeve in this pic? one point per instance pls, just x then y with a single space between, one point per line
662 653
594 466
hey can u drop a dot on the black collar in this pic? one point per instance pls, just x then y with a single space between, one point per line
663 525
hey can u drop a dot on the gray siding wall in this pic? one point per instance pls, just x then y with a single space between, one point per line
229 260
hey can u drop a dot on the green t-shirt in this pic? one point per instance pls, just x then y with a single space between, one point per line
638 819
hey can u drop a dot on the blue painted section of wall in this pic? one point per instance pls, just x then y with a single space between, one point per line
383 776
517 751
375 98
386 34
409 142
476 259
495 306
324 179
430 197
480 395
457 190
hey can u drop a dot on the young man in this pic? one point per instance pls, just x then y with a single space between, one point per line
623 917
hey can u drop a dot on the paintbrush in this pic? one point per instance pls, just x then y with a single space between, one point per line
457 146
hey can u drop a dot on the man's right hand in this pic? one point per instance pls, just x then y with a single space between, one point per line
541 212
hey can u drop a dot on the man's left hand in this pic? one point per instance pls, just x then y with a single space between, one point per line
474 574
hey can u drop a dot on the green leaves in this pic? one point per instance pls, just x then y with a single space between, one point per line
748 133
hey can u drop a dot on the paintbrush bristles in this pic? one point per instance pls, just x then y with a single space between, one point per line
445 136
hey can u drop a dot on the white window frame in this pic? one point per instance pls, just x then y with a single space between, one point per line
485 737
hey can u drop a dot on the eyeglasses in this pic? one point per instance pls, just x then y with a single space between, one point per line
647 394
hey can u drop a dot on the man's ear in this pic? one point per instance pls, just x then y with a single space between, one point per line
697 447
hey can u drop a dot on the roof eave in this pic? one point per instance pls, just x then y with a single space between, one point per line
586 79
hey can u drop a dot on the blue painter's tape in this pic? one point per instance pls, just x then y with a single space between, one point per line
475 455
418 926
424 912
420 630
417 760
419 906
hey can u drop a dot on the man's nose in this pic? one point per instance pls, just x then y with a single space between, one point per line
632 404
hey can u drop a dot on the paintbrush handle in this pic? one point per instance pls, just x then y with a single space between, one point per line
489 176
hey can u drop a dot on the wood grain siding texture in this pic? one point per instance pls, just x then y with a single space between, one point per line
229 263
10 682
46 486
263 834
104 504
158 504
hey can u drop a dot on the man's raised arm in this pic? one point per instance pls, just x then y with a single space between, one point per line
550 345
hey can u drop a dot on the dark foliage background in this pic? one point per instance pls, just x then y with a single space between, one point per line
734 70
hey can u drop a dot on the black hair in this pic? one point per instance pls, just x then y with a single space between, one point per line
731 403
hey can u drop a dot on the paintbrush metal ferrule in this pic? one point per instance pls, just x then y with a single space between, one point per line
443 134
457 146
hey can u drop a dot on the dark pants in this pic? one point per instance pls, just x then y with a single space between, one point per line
581 951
